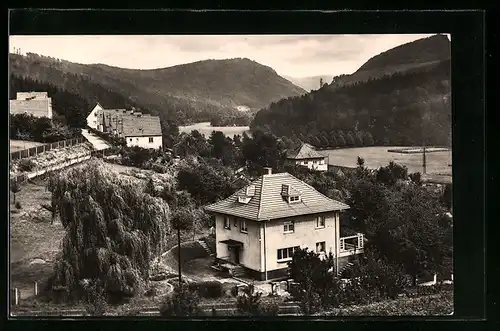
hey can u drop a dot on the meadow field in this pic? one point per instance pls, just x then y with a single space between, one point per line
17 145
376 157
206 129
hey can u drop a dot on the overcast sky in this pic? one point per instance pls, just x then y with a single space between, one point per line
290 55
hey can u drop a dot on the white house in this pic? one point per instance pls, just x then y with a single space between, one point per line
93 119
259 227
305 155
142 130
37 104
137 129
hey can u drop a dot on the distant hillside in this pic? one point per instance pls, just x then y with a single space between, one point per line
211 90
393 96
309 83
414 56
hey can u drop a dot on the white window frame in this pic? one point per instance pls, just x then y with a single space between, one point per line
323 246
296 199
286 252
318 222
243 226
287 225
151 140
227 223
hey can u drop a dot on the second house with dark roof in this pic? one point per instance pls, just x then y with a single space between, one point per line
305 155
259 227
138 129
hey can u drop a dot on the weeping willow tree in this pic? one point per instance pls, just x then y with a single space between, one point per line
113 231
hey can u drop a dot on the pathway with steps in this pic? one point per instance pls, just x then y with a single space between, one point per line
205 247
98 143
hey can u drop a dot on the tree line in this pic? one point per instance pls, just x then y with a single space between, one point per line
398 109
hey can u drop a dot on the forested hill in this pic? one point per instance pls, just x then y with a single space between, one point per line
211 90
411 57
402 108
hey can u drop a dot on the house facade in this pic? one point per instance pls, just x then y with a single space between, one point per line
37 104
138 129
260 226
305 155
92 119
142 130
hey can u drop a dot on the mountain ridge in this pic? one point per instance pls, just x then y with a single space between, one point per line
193 92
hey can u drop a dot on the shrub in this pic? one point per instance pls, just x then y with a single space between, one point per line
208 289
182 302
96 300
234 291
159 168
26 165
269 308
18 205
250 304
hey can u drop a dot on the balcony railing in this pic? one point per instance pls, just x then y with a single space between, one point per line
352 243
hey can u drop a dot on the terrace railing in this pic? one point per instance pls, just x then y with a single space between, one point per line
352 243
29 152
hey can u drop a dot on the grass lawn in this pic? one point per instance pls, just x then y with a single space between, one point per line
376 157
17 145
34 242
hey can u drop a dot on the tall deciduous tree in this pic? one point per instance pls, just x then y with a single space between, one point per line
349 140
182 219
368 139
263 150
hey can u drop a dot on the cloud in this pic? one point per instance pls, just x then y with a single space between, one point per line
292 55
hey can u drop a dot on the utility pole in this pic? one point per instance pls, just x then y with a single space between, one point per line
424 165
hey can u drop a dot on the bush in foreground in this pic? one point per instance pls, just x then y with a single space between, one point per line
430 305
207 289
182 302
26 165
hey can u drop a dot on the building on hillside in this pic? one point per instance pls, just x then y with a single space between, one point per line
142 130
93 120
259 227
137 129
37 104
305 155
32 95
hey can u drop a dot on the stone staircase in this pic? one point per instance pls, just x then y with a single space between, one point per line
346 267
205 247
238 272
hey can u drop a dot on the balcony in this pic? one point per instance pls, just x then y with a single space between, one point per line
351 245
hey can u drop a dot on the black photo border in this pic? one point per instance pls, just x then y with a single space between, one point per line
467 29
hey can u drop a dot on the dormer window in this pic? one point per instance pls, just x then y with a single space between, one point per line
290 194
247 195
250 191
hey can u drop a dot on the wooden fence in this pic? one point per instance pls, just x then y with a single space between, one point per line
26 176
25 153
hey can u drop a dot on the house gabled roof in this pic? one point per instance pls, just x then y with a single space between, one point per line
268 202
138 126
304 151
130 124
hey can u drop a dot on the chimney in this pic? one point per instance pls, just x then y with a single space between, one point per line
268 171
